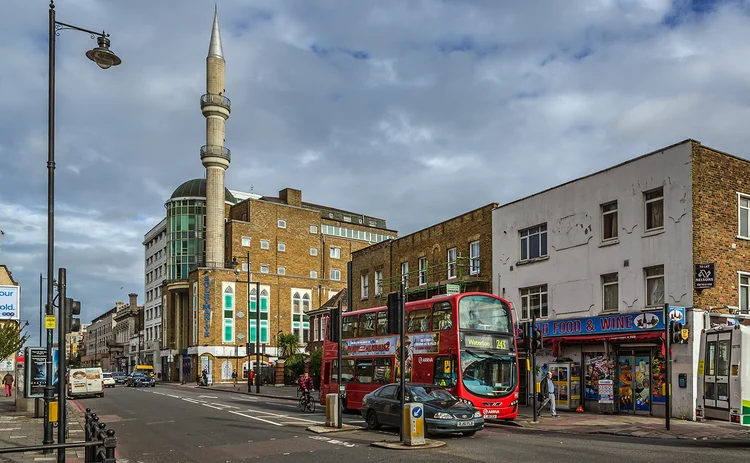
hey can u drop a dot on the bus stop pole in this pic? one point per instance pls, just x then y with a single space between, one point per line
338 368
401 356
668 361
532 351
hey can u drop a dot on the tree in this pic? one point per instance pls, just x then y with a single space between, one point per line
11 340
288 344
75 361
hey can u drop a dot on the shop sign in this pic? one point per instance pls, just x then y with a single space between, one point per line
415 343
606 324
206 307
10 308
705 276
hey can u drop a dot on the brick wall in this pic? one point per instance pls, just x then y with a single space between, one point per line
717 178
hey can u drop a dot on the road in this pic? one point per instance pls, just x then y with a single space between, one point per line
171 424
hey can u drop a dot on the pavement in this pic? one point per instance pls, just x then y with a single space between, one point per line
620 424
18 429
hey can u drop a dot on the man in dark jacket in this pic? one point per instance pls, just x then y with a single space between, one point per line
548 395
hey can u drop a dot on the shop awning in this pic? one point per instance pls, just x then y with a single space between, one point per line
615 337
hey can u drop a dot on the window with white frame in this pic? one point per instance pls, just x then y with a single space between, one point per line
422 271
610 293
264 315
335 274
281 247
300 319
378 282
335 252
246 241
314 229
474 257
313 274
244 266
263 268
281 270
228 333
364 285
654 204
609 221
316 335
743 203
744 292
654 285
313 251
534 301
405 274
534 242
281 223
451 263
265 244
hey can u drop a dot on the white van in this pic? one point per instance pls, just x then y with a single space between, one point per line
85 382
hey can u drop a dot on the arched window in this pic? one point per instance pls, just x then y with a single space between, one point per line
228 332
297 315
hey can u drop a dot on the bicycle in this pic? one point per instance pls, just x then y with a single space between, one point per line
307 402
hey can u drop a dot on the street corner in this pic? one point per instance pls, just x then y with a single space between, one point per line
398 445
330 429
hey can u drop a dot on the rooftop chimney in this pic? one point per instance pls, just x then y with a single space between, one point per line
291 196
133 301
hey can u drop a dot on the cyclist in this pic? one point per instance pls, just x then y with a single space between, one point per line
306 384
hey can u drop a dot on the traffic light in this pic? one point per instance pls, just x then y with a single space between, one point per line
524 338
536 339
333 327
72 307
675 331
394 313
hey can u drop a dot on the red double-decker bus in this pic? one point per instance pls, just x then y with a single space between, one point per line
464 342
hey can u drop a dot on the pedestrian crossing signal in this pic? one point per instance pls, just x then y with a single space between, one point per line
675 331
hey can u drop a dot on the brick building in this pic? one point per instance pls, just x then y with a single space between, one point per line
457 251
596 259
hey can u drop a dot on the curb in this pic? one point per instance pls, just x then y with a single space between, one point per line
398 445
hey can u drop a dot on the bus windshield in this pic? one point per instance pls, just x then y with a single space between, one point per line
484 313
487 374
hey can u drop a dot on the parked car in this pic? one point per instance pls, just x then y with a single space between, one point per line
140 379
120 377
444 413
108 380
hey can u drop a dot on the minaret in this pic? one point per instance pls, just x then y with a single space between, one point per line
215 108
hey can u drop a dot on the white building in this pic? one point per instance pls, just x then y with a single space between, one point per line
593 259
155 268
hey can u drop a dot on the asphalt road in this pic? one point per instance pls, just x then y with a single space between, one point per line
177 424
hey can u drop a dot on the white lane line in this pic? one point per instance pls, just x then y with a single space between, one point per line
211 406
255 418
207 397
223 405
192 400
175 396
260 412
159 422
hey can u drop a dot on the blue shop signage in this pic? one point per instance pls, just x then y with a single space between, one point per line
606 324
206 307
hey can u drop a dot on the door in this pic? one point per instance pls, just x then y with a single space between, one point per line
634 380
718 357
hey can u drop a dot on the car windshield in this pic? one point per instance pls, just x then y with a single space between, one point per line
429 394
107 375
484 313
487 374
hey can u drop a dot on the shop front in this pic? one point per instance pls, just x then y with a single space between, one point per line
624 349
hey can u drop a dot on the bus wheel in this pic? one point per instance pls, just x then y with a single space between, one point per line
372 420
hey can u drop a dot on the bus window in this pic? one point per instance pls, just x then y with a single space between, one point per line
363 371
484 313
419 321
445 371
349 327
382 323
347 370
441 316
382 371
367 324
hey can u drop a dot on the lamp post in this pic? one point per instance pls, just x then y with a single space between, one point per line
257 321
104 58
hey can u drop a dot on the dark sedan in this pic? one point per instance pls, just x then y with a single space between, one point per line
444 413
120 377
140 379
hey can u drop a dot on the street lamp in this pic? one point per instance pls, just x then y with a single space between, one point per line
104 58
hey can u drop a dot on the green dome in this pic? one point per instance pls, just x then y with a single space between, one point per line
196 188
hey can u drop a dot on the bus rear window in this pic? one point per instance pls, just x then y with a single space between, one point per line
484 313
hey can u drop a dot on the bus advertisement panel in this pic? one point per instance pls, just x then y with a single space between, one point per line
464 342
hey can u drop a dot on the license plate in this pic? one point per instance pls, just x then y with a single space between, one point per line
490 416
465 423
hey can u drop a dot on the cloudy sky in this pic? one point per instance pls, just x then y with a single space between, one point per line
414 111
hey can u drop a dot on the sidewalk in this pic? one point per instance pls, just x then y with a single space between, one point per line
17 429
623 424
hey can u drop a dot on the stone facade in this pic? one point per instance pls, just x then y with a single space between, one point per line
719 180
432 244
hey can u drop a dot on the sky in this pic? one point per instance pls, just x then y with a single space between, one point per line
413 111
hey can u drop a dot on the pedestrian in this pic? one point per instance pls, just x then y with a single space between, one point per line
8 382
234 377
205 377
251 377
548 394
198 379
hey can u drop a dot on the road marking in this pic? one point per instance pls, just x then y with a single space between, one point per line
333 441
175 396
192 400
224 405
159 422
255 418
211 406
281 416
207 397
18 437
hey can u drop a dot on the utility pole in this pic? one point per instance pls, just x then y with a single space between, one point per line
62 322
533 366
668 360
338 363
402 356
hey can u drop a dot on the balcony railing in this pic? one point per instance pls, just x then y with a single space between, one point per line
216 150
217 100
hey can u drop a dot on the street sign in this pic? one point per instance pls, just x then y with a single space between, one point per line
677 314
685 333
49 322
452 288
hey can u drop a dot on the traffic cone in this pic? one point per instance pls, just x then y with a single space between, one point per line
579 409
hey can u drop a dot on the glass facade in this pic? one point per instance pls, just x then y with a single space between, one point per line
185 228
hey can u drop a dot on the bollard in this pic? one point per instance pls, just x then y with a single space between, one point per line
413 424
110 443
332 415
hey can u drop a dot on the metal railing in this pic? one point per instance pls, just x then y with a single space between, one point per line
99 446
216 150
210 99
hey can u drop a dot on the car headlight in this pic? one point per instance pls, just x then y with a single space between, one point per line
443 416
477 414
